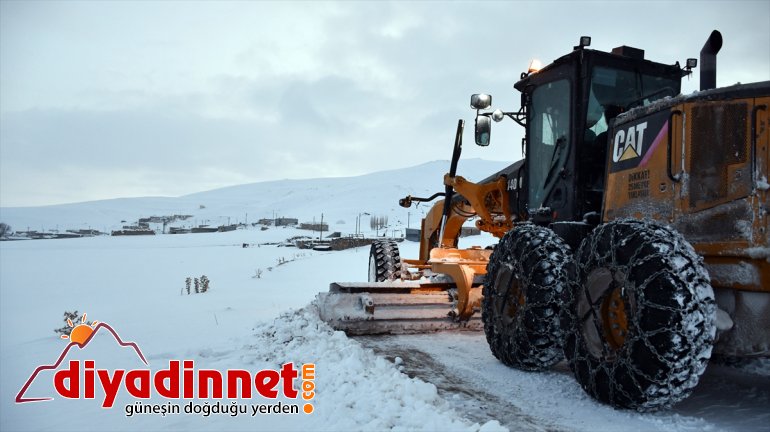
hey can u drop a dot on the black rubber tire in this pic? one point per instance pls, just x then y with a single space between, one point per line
647 351
384 261
526 275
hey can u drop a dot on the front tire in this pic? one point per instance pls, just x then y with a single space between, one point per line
526 274
384 261
640 318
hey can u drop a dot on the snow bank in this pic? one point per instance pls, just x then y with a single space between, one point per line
356 388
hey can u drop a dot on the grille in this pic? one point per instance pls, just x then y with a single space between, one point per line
718 137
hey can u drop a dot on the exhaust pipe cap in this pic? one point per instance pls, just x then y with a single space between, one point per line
708 61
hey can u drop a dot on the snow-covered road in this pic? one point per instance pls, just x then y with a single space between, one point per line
469 377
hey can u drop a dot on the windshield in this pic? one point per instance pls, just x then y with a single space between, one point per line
614 90
549 136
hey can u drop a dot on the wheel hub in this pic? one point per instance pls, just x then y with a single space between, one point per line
614 320
602 308
512 300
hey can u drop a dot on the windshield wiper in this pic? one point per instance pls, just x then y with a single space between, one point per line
554 160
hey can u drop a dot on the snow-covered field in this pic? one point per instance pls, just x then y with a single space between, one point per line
445 381
135 285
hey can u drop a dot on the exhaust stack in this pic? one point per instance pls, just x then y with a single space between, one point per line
708 61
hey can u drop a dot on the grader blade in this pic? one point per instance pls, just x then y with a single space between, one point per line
392 308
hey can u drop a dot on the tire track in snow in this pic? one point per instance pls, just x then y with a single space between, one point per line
469 378
469 399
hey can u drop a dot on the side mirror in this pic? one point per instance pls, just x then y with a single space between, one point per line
483 129
481 101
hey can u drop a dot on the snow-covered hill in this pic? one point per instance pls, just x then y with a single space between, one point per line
340 199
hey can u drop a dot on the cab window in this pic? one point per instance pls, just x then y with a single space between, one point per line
549 137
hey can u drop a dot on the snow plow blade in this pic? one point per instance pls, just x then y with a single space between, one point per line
392 308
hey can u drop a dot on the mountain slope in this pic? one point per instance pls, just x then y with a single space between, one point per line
339 199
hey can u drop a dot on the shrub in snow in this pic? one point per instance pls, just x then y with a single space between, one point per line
69 322
199 285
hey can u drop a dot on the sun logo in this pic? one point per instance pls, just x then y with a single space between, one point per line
81 332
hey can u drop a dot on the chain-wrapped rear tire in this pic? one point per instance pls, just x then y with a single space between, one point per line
640 325
384 261
526 275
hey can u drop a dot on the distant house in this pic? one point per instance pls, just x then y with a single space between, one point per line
66 235
413 234
133 232
204 229
286 222
86 232
162 219
314 226
279 222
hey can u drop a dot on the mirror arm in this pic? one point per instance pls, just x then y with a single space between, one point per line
520 119
515 116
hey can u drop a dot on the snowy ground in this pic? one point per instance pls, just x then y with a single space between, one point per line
447 381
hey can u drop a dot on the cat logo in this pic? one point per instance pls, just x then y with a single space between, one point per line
629 143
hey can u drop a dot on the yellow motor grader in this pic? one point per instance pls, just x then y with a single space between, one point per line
633 235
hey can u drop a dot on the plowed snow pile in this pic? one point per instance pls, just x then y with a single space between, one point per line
357 389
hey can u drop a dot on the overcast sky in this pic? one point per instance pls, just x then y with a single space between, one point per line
105 99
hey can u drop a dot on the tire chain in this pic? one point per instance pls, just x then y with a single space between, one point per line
669 313
540 261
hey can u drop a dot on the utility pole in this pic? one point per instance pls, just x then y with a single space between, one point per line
321 228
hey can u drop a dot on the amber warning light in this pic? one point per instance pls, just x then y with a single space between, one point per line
534 66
